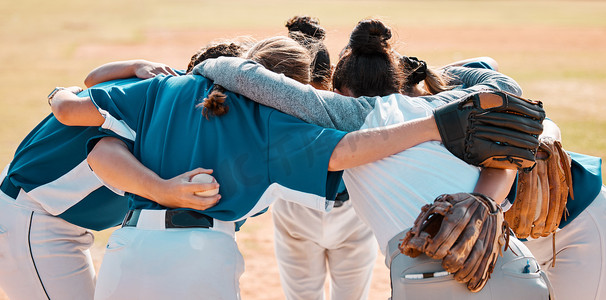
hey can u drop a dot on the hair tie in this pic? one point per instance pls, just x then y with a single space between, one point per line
418 69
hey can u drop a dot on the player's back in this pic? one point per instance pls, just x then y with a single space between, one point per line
388 194
249 148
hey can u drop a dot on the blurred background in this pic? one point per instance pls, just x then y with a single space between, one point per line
556 50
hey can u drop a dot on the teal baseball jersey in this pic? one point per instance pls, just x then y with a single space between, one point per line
50 166
250 148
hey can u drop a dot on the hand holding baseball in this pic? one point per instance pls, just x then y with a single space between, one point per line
194 189
205 178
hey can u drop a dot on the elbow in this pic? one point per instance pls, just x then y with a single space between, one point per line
335 163
61 113
98 155
92 158
90 80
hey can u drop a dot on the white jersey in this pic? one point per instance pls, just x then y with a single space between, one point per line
388 194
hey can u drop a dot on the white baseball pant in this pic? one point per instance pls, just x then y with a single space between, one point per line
151 262
43 256
310 243
580 262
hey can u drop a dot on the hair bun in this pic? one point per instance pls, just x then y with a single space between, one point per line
369 37
306 25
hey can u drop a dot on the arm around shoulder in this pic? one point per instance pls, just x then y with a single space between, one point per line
368 145
72 110
125 69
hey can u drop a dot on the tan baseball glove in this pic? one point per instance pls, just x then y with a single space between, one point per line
466 231
542 192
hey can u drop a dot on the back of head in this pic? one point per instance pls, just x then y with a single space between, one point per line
308 32
306 25
283 55
278 54
214 103
368 65
231 49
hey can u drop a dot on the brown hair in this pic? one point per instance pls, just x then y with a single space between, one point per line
214 103
214 51
308 32
278 54
368 66
284 56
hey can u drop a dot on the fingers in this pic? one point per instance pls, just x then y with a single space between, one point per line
189 174
195 202
197 171
169 71
195 187
204 203
162 70
152 70
74 89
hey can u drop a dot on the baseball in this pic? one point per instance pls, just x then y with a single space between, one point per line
205 178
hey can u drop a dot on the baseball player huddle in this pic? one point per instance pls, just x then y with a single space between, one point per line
460 182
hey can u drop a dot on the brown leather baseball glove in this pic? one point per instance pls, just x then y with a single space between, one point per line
542 192
466 231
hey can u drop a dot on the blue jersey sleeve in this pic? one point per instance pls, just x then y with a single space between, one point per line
124 102
90 144
299 154
586 184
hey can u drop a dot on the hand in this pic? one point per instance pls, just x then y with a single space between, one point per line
146 69
74 89
178 192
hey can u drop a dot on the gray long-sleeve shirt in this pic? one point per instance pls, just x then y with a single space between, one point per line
326 108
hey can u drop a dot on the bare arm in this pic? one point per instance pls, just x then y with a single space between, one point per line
495 183
125 69
72 110
368 145
111 160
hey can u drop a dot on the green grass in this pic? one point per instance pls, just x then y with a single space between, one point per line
554 49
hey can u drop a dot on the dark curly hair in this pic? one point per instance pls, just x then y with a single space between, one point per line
214 51
308 32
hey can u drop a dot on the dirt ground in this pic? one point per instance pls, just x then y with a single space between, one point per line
260 281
